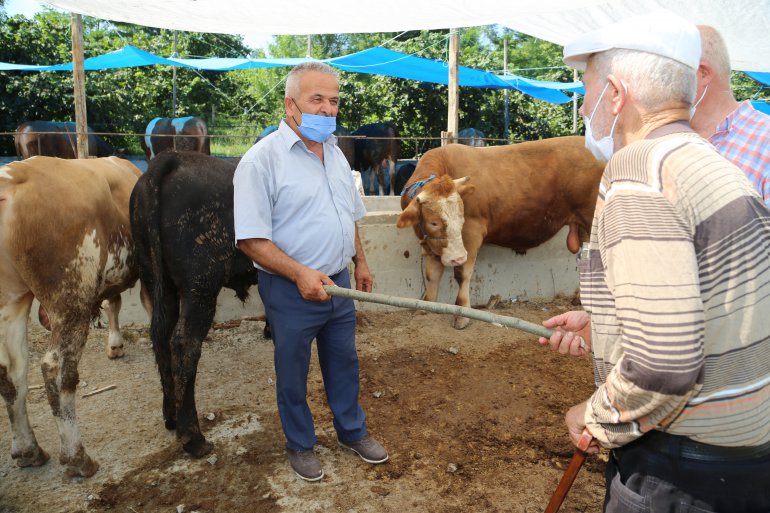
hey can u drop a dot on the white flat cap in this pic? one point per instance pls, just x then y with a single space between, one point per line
660 32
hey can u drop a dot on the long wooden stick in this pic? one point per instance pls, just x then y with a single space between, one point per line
570 474
441 308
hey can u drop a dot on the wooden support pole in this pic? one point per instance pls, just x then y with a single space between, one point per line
81 118
506 117
173 81
574 104
453 119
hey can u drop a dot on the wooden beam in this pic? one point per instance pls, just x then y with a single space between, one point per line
506 116
574 104
81 119
453 119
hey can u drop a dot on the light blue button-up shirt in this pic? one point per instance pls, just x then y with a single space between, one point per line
308 208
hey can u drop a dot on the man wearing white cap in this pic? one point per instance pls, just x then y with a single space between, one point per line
675 281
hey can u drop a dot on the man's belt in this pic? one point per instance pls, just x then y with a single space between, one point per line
684 447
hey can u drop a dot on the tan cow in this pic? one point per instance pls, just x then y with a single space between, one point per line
64 239
515 196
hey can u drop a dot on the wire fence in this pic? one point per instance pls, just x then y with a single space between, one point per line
232 144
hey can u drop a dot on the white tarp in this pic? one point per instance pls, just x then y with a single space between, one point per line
745 24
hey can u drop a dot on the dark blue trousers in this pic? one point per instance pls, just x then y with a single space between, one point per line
295 322
640 478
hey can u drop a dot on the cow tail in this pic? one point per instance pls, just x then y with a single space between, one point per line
159 329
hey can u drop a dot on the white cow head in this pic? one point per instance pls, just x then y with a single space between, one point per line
438 215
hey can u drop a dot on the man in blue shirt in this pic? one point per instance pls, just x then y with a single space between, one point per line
296 208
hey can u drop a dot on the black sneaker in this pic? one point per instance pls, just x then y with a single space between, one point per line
306 464
369 449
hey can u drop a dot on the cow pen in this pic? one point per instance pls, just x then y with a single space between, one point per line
472 418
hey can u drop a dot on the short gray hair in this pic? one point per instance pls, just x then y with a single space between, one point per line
714 50
658 82
292 79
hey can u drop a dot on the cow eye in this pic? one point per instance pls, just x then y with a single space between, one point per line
434 225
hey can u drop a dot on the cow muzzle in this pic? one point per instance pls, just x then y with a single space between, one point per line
454 258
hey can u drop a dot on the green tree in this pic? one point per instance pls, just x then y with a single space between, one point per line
117 101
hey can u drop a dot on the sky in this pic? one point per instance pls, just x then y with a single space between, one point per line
29 7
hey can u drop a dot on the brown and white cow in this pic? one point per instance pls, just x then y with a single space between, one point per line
57 139
190 134
65 239
516 196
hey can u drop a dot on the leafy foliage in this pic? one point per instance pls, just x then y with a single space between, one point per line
237 105
117 101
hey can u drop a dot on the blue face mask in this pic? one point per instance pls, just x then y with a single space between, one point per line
314 127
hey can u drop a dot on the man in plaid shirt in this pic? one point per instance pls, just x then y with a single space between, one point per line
737 130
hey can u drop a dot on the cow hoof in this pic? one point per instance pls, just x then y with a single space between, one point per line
461 323
198 447
35 457
115 352
80 466
170 425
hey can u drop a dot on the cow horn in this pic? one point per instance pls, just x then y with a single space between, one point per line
461 181
420 198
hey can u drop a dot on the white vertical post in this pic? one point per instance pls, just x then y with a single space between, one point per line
453 119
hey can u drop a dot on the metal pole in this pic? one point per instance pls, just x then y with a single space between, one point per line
453 119
173 79
505 91
309 46
79 76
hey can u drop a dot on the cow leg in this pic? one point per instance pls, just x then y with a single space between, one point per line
115 338
60 372
463 275
370 182
196 318
390 176
13 382
377 170
434 270
161 330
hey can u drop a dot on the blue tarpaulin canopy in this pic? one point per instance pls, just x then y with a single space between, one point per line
376 61
761 77
761 106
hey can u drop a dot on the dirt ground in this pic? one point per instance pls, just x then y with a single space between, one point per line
473 421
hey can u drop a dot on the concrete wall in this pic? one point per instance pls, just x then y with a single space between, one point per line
395 260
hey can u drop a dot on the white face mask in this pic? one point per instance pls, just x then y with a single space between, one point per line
604 147
692 109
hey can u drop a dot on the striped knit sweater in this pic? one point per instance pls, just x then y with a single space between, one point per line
676 277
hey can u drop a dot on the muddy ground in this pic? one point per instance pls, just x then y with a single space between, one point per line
473 421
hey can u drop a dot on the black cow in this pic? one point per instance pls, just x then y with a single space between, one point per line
403 175
381 144
346 144
182 224
190 133
58 139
